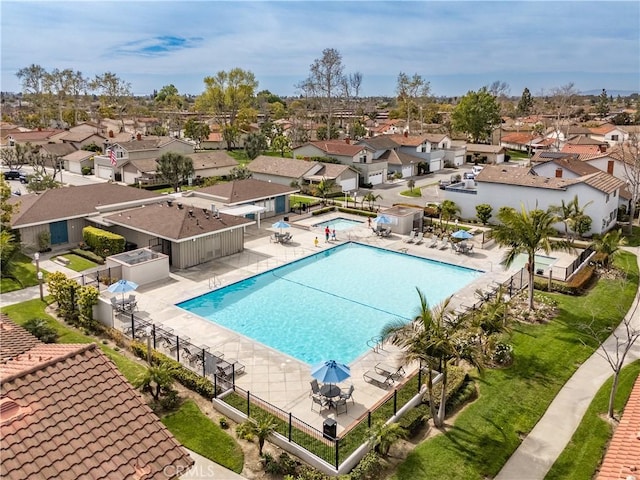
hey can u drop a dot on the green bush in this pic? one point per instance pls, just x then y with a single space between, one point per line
415 419
323 210
355 211
39 328
170 400
89 255
103 242
466 392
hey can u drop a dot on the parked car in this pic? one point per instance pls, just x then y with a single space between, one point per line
477 169
12 174
444 184
468 176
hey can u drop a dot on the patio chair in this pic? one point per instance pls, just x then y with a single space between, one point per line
321 401
419 238
192 355
348 395
410 238
227 369
390 370
434 242
286 238
371 376
385 232
443 244
341 402
315 387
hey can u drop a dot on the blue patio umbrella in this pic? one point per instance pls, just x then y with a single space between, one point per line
330 371
383 220
280 224
122 286
462 235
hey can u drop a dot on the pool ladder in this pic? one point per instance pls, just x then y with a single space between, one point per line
376 343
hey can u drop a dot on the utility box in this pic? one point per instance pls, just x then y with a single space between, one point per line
330 429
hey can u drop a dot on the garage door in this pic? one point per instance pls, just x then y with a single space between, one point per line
104 172
375 178
407 171
349 185
435 165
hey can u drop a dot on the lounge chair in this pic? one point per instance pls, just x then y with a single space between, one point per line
371 376
226 369
419 238
389 370
285 238
192 354
410 238
434 242
444 243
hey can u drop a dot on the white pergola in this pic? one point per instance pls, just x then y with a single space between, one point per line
243 210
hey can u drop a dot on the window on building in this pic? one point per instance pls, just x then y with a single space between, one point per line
614 138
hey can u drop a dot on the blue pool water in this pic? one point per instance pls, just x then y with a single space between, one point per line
542 262
328 305
339 224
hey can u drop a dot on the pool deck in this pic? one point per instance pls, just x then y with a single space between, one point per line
274 376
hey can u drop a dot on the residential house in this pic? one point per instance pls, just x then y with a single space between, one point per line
289 171
612 134
213 163
526 142
36 137
140 148
66 411
515 187
80 139
213 142
372 171
250 198
480 153
55 151
74 162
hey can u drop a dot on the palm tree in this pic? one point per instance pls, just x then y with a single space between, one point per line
432 339
570 214
371 198
155 379
262 427
324 187
527 232
491 320
383 435
411 183
609 245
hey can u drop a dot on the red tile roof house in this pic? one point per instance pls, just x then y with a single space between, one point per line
622 459
147 219
67 412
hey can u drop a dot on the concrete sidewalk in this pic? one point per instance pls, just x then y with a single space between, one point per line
540 449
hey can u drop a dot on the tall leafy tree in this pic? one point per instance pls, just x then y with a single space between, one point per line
411 93
448 211
628 155
33 79
525 105
562 99
608 245
255 144
175 169
229 97
527 232
326 80
8 245
324 187
196 131
602 105
282 144
115 93
477 114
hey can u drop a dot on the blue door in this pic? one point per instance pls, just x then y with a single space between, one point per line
59 232
280 204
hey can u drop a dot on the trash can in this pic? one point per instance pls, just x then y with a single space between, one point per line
330 428
286 219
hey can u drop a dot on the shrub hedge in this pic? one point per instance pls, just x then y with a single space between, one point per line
102 242
89 255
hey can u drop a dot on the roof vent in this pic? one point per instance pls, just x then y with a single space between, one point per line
180 206
10 411
170 202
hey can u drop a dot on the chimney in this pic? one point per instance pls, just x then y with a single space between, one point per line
139 136
558 173
110 133
347 140
406 133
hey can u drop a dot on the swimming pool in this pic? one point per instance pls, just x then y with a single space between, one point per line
328 305
542 262
339 224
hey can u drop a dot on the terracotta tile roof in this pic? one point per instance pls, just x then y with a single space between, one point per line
66 412
245 191
518 138
571 163
603 129
568 148
603 181
622 460
13 339
546 156
174 223
72 202
282 167
340 148
214 137
212 159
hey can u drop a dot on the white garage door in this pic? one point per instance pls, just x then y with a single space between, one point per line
349 185
104 172
435 165
407 171
500 158
375 178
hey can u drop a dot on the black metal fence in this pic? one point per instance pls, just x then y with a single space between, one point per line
101 279
583 257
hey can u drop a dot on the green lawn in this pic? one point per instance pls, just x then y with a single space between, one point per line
512 400
197 432
78 263
634 239
415 193
23 268
584 452
517 155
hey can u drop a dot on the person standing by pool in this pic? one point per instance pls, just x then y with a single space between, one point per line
333 234
327 232
316 242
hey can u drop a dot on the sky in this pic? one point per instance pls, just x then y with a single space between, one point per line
456 46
